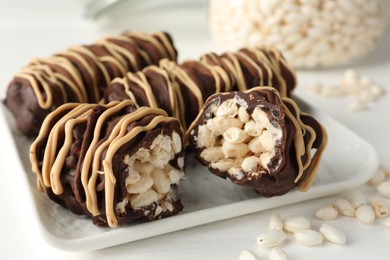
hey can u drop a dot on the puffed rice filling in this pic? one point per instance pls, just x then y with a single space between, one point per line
151 176
237 142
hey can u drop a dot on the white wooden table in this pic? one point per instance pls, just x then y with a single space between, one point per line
39 28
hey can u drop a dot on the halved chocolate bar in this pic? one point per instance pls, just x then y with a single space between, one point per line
258 139
113 162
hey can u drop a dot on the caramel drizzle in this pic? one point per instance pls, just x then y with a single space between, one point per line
219 74
140 79
180 76
130 41
39 71
75 82
273 66
48 172
97 60
302 148
270 63
45 128
315 162
56 168
235 70
164 47
90 153
94 93
124 82
32 76
172 90
116 52
258 69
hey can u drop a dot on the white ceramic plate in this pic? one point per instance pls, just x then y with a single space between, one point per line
348 162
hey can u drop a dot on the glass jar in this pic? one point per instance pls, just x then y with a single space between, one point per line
310 33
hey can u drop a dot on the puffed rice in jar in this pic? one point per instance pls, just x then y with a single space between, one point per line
310 33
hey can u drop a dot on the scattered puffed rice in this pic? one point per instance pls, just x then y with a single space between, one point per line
345 207
355 205
275 222
293 224
333 234
349 82
332 92
356 106
377 90
308 237
247 255
361 88
271 238
387 172
356 198
384 189
365 214
327 213
381 209
387 222
277 253
378 177
315 88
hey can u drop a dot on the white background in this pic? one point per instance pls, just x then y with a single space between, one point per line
38 28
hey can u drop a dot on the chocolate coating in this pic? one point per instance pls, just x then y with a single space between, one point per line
81 154
252 67
80 74
291 164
